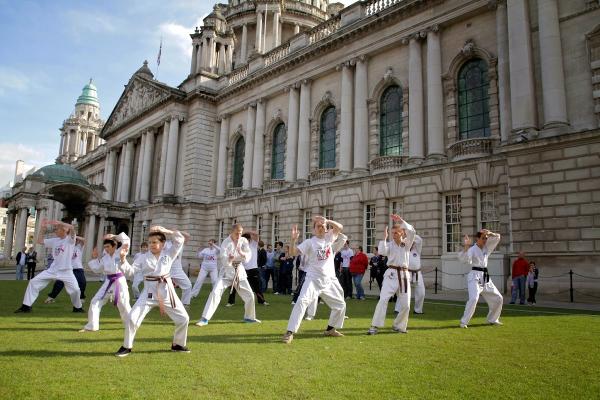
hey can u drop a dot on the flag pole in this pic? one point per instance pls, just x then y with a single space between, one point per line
158 56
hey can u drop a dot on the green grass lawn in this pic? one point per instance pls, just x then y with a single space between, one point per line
538 353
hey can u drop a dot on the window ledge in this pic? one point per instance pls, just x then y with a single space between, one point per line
383 164
472 148
322 175
273 185
233 193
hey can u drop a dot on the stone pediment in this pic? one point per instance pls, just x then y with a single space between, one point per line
139 96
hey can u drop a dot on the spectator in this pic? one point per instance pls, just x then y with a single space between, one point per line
287 268
346 277
31 263
520 268
532 282
378 267
262 262
358 265
277 267
21 259
269 271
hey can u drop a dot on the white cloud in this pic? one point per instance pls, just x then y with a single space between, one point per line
83 23
33 157
178 36
12 80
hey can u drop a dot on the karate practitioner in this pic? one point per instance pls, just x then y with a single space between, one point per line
138 278
76 263
235 250
179 277
416 278
114 287
397 278
478 279
62 253
209 266
320 279
158 289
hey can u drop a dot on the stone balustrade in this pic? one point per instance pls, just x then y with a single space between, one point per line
322 175
273 185
375 6
472 148
305 8
324 29
237 75
386 164
278 53
241 8
233 193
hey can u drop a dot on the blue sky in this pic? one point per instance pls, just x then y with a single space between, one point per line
50 48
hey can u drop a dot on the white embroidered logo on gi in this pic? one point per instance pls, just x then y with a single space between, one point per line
323 254
58 250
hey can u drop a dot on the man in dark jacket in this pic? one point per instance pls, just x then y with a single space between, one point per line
31 263
21 259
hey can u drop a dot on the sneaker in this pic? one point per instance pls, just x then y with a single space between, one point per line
398 330
266 304
287 338
23 309
372 331
308 318
362 299
229 305
186 306
82 301
333 333
498 323
252 321
418 313
293 303
321 302
179 349
512 302
463 326
49 300
85 330
123 352
78 310
202 322
346 317
276 293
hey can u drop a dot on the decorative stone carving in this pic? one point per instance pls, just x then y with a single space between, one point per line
468 48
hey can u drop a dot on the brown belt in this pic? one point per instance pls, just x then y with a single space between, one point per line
402 279
415 274
165 279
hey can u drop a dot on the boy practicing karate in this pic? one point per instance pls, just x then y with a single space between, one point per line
320 279
158 289
115 285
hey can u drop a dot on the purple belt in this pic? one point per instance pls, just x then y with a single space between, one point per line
112 278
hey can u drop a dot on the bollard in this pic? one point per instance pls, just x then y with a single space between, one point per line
436 282
571 284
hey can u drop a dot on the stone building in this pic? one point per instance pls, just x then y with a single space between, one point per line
456 114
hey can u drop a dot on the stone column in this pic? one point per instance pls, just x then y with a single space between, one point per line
551 64
503 75
148 162
85 142
10 230
194 66
259 146
163 157
435 97
291 146
62 144
205 62
140 168
222 162
129 149
200 57
121 173
303 167
346 131
90 232
40 215
244 49
259 36
171 164
21 234
249 149
221 59
109 176
522 89
100 237
213 56
229 61
296 29
415 101
361 116
276 38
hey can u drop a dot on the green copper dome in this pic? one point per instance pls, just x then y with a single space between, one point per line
89 95
60 173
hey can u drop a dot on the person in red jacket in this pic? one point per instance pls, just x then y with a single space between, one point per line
358 265
520 268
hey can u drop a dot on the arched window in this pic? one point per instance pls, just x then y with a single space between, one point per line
390 117
278 152
238 162
473 100
327 139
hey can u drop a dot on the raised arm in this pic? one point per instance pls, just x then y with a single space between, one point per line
463 255
294 241
492 241
418 243
95 263
42 232
383 245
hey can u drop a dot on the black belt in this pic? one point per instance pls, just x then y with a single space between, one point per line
402 279
486 275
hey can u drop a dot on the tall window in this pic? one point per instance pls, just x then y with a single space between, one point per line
328 213
275 228
307 224
369 228
221 231
238 162
452 226
488 211
473 100
259 225
395 208
278 151
327 139
390 117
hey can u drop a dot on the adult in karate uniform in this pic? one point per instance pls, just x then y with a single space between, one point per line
179 277
416 277
208 268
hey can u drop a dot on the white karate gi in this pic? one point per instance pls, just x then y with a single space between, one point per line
477 257
209 267
320 281
398 256
138 277
152 268
414 267
226 276
181 279
110 266
60 269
